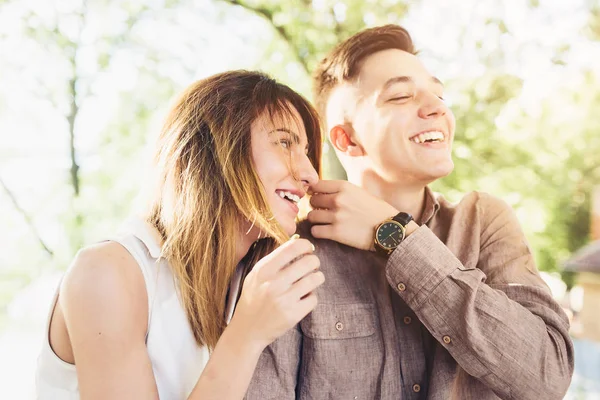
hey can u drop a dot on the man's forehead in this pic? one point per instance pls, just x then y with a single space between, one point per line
390 66
377 72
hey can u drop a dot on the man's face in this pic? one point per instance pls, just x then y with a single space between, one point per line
399 119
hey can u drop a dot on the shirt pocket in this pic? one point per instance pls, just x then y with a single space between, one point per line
342 353
340 321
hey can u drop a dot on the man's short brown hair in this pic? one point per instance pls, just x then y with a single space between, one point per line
344 61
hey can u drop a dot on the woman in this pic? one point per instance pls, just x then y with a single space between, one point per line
137 316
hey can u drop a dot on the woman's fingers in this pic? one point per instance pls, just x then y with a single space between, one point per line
297 270
306 285
271 264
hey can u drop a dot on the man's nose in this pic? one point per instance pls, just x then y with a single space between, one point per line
432 106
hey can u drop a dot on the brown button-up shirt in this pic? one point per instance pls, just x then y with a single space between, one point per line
458 311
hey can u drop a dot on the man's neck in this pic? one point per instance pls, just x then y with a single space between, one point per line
409 198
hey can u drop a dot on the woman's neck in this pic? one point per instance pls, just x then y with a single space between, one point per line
247 235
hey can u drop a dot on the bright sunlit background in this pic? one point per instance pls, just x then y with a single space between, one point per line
84 86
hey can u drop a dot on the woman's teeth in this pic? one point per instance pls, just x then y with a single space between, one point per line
287 195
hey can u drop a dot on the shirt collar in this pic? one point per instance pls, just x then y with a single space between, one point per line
431 206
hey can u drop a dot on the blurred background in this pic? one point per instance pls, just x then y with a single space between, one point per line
84 86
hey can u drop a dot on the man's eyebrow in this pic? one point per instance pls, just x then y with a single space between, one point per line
294 135
397 79
406 79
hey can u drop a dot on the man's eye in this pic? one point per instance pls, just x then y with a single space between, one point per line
400 98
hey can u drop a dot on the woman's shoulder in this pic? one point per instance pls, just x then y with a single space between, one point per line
105 287
105 263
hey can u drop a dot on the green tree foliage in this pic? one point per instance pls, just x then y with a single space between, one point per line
93 79
95 82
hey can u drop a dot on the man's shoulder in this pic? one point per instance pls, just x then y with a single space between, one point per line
352 275
333 252
303 229
486 205
329 248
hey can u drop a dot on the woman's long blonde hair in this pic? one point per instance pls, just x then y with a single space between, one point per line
207 183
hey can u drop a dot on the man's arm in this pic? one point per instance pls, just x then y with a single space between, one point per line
495 316
504 328
276 374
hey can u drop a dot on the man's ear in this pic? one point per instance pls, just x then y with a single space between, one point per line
340 137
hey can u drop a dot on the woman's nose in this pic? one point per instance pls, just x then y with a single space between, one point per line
306 172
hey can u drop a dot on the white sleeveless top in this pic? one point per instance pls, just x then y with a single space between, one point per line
177 360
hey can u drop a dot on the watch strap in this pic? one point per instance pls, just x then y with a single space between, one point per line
403 218
382 251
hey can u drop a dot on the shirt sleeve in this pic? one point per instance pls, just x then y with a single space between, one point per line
276 374
497 319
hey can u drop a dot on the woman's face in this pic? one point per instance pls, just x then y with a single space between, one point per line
279 152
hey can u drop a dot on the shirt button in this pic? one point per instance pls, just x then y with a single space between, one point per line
447 339
407 320
416 388
339 326
401 287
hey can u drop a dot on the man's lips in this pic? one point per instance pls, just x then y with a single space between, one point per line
430 136
433 145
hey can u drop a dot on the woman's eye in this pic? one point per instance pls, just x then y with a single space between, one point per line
285 143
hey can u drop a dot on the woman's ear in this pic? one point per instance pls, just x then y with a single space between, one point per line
340 137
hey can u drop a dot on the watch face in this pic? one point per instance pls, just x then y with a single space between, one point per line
390 234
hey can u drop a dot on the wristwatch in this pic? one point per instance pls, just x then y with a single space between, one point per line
391 232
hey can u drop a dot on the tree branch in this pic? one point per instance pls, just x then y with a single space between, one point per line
74 110
74 106
283 33
26 217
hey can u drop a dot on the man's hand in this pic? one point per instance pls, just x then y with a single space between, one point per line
347 213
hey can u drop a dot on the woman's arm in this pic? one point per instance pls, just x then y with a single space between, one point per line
105 305
230 368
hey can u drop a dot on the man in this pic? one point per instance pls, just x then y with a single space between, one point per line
442 301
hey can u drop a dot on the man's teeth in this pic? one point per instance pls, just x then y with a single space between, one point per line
433 136
290 196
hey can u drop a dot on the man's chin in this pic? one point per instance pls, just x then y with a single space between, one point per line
440 171
446 171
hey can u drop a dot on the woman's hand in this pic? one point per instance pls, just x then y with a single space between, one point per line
278 292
